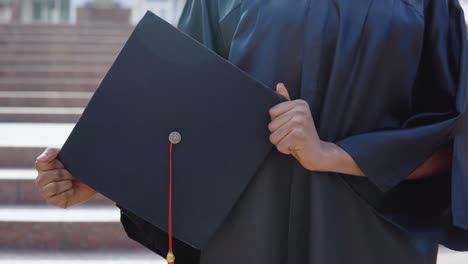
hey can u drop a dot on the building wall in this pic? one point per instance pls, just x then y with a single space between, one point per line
73 6
5 11
168 9
48 11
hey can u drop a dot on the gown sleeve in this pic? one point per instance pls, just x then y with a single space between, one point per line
439 115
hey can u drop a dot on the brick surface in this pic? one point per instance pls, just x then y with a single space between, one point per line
66 29
103 15
50 84
52 74
41 118
8 192
50 102
64 236
62 39
41 73
26 48
25 192
55 60
19 157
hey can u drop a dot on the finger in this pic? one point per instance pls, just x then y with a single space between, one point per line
295 122
291 143
61 200
55 188
47 166
281 121
281 90
47 177
48 155
280 133
281 108
284 146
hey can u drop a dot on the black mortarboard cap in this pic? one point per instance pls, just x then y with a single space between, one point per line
163 81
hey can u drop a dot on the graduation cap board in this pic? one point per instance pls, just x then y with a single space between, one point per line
173 130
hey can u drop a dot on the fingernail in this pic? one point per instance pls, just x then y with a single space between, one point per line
279 85
42 157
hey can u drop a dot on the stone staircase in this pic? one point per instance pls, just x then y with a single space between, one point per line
47 75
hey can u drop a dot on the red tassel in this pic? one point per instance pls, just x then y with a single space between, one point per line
170 256
174 138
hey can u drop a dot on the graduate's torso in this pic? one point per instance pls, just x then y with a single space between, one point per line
355 63
341 56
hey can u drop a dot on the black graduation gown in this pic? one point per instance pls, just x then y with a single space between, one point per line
386 81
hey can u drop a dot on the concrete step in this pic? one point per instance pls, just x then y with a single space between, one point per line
40 114
48 228
137 256
56 60
49 84
17 186
33 135
19 156
62 39
46 48
21 143
61 71
49 99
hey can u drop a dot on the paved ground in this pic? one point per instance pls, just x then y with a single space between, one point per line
145 257
142 257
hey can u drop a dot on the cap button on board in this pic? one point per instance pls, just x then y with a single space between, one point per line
175 137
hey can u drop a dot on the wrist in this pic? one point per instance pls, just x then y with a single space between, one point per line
328 156
324 158
332 158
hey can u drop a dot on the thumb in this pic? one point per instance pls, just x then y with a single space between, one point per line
48 155
281 90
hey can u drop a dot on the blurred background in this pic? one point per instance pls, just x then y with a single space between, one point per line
53 55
